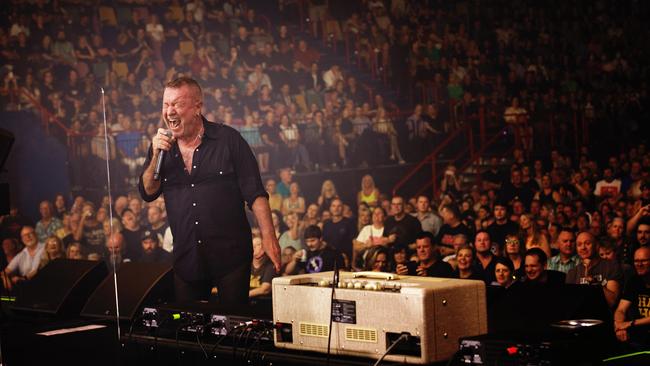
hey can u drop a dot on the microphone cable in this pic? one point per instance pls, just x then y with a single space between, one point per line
335 281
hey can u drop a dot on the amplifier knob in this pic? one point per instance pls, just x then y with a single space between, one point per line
358 285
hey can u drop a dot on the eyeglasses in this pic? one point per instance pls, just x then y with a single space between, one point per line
512 241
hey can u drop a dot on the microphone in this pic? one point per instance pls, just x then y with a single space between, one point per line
161 156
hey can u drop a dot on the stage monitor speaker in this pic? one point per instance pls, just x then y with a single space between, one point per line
139 284
62 287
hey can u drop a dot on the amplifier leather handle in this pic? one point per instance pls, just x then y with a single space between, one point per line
376 275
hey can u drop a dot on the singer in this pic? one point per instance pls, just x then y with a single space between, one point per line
207 173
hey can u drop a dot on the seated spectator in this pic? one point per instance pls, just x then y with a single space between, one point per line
262 272
504 272
295 203
484 262
327 195
90 231
319 256
534 238
567 258
339 231
131 235
10 249
369 194
376 260
383 125
48 224
537 270
53 250
514 251
401 228
369 236
466 268
292 237
428 264
595 271
450 254
275 198
74 251
634 303
429 220
501 226
114 252
151 250
156 222
286 178
452 226
25 264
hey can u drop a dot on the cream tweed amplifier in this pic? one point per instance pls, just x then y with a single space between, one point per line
422 318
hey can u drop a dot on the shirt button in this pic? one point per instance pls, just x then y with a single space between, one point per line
164 179
194 167
220 172
196 222
192 185
194 204
176 155
199 241
197 149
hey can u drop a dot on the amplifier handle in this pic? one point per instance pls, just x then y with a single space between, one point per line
375 275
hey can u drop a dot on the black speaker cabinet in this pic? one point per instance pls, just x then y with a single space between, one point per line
139 284
62 287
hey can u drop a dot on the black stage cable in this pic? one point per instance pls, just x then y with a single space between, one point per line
218 342
247 329
451 360
403 337
178 344
335 281
198 340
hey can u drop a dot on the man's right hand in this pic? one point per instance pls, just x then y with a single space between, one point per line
162 140
401 269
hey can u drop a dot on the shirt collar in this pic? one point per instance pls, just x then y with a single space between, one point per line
211 129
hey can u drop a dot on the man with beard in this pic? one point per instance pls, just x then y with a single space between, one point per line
151 250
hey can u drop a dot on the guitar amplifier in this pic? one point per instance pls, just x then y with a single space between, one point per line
371 311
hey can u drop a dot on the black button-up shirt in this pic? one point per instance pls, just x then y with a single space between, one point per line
205 209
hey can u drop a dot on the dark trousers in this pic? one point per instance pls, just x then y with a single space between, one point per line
232 287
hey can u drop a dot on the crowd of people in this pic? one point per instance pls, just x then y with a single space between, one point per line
550 220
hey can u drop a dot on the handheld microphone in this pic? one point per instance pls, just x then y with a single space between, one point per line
161 156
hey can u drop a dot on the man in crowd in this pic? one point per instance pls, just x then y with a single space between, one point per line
401 229
151 250
484 264
428 219
339 231
318 257
428 263
635 301
25 264
535 262
48 224
452 226
157 222
566 259
501 226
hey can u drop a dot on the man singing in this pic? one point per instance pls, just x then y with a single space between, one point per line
209 171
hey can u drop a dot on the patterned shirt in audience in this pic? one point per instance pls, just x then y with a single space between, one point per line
556 264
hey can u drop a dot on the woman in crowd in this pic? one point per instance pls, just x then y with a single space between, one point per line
370 236
376 260
514 251
533 236
369 193
275 198
364 216
465 258
294 203
504 272
327 195
53 250
382 124
292 237
74 251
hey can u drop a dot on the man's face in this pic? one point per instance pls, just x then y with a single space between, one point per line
585 245
482 242
642 261
422 204
313 244
566 243
149 245
28 237
336 208
114 244
424 249
643 234
615 230
533 267
128 220
45 210
154 215
499 212
181 109
397 206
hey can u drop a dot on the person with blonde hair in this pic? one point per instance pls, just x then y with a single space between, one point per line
53 250
369 193
327 194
